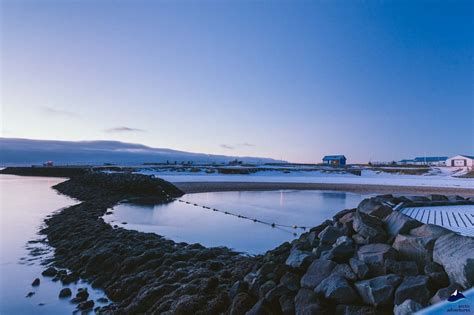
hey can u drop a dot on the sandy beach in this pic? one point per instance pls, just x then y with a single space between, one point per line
198 187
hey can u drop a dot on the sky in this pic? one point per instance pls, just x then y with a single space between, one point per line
292 80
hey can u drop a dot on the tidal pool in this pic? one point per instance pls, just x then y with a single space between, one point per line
24 203
184 222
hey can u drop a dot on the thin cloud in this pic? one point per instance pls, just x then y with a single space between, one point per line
246 144
226 146
47 110
124 129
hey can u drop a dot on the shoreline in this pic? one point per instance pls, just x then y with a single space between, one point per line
201 187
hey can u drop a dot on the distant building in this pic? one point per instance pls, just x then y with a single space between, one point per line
335 160
461 161
425 160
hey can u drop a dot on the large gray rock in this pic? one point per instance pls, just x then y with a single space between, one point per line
374 207
341 250
398 223
308 303
299 259
401 268
330 234
407 308
241 303
319 270
414 248
360 268
429 230
414 288
336 289
345 271
374 255
378 291
369 227
456 254
438 277
260 308
291 281
357 310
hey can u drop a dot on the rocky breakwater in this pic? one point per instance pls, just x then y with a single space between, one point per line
139 272
369 260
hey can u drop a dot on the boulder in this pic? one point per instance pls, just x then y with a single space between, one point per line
86 305
330 234
429 230
369 227
456 254
317 229
35 282
438 277
260 308
414 288
444 293
347 222
49 272
401 268
291 281
407 308
341 214
341 250
398 223
374 255
264 288
319 270
287 305
345 271
336 289
434 197
359 267
238 287
299 259
65 292
378 291
308 303
241 304
413 248
374 207
356 310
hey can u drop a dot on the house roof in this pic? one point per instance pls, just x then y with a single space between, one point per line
468 156
405 161
334 157
431 158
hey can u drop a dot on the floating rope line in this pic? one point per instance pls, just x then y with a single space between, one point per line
272 224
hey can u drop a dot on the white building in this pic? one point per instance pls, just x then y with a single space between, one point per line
461 161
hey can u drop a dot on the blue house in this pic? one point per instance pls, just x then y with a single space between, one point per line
335 160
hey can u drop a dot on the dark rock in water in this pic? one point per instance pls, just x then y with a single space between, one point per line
374 207
359 267
81 296
30 294
438 277
456 254
378 291
337 289
356 310
299 259
36 282
65 292
341 250
87 305
444 293
369 227
345 271
330 234
398 223
49 272
414 288
319 270
241 304
407 308
401 268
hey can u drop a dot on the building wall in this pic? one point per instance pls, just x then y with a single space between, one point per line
460 161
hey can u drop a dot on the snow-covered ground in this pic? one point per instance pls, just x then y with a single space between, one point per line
441 178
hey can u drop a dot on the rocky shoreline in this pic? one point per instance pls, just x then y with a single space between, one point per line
369 260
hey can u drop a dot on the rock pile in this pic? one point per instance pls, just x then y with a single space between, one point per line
369 260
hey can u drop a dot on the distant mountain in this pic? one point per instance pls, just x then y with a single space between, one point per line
15 151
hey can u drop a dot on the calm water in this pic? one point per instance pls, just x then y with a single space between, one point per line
183 222
24 203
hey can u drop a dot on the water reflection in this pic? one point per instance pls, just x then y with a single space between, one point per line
185 222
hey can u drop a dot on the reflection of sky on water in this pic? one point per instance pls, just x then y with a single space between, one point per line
188 223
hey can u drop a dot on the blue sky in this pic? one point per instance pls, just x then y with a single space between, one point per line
374 80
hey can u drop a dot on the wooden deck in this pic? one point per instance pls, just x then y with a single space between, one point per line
456 218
